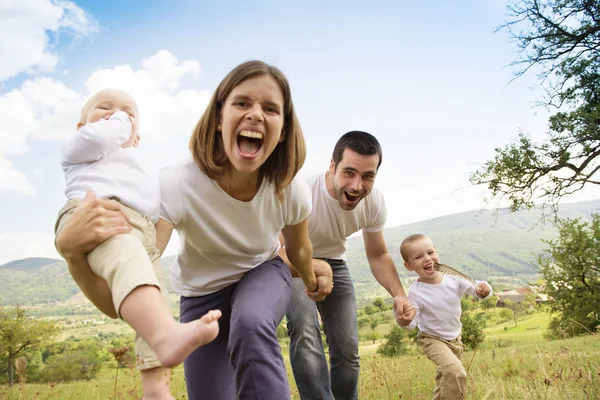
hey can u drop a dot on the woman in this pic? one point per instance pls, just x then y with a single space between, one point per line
228 205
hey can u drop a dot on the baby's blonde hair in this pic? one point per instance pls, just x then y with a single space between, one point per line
409 240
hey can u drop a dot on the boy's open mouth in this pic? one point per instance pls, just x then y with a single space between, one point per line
428 268
249 142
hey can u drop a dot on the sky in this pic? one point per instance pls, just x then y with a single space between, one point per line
431 80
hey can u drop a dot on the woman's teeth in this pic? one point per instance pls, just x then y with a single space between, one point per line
251 134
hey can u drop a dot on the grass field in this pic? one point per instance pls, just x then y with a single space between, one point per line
512 363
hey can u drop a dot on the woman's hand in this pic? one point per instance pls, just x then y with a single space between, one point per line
92 222
324 280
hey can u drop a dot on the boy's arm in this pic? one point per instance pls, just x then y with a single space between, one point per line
483 290
95 140
384 270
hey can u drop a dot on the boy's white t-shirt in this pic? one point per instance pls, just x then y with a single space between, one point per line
94 160
222 238
438 306
329 224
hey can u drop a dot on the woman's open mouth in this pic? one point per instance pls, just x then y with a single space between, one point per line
249 143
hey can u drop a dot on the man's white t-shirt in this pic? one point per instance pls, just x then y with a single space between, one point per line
329 225
438 306
222 238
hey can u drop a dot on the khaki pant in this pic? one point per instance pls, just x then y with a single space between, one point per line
125 262
451 377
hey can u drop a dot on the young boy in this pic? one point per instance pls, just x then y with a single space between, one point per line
436 297
102 157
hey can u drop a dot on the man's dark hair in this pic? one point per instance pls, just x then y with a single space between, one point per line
358 141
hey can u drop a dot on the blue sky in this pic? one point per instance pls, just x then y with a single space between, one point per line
428 80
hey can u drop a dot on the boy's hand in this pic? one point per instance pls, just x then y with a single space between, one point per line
483 290
404 311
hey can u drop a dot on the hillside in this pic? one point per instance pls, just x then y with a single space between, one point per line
480 243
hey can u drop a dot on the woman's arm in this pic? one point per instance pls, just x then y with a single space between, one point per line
91 223
299 252
164 230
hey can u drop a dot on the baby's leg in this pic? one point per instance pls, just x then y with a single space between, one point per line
156 384
144 310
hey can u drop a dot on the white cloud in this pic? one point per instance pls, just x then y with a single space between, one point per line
46 109
27 244
164 109
24 27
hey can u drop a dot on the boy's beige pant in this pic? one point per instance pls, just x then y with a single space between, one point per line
127 261
450 377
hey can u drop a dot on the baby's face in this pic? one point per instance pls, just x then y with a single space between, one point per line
107 102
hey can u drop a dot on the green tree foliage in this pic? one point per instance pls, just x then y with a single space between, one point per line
489 303
396 343
560 40
18 334
379 304
472 330
370 310
518 309
571 270
67 367
472 324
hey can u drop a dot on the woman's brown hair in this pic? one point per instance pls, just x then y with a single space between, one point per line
206 143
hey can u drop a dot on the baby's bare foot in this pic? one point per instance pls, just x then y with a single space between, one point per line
184 338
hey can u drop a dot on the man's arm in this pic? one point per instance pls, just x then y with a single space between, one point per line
384 270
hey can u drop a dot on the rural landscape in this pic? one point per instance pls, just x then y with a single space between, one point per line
511 351
537 337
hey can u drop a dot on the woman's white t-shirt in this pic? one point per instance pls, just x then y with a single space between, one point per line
222 238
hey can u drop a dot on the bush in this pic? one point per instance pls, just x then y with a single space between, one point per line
71 367
396 343
472 330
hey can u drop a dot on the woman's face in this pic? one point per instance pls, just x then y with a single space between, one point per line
252 122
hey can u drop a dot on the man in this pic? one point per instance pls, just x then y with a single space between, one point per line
344 202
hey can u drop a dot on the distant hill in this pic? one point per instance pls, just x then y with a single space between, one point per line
481 243
28 264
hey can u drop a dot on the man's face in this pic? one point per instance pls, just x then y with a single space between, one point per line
353 178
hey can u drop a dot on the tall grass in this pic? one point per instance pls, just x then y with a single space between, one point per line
514 363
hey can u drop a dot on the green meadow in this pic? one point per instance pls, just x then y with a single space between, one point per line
512 363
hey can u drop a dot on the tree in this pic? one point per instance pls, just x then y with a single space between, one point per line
571 270
561 40
517 309
396 343
379 304
19 333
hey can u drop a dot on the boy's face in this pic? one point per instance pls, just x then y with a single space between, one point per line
107 102
420 256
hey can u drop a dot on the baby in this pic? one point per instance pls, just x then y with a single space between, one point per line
436 297
102 157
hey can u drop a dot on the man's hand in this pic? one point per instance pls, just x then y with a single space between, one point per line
324 280
483 290
403 310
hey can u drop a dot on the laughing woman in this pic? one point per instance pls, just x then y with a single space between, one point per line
229 205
